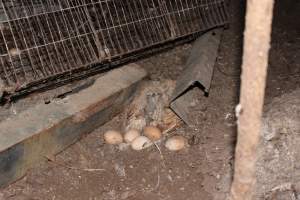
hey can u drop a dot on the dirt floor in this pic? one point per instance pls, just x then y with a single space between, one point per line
201 171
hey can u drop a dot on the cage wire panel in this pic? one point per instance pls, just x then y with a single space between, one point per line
44 40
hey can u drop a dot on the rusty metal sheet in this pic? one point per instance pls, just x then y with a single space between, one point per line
198 72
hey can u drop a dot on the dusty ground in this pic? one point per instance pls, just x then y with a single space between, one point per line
279 152
202 171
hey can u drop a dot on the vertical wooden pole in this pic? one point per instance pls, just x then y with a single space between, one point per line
254 71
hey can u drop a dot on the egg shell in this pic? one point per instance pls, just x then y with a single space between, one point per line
176 143
131 134
14 52
141 143
113 137
152 132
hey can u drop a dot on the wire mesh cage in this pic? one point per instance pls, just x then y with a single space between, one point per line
45 42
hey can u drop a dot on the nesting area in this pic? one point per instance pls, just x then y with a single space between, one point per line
113 135
44 43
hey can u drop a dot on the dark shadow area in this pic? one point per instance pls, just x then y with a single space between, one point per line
284 60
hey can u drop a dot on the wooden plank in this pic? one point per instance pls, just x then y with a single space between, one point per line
45 130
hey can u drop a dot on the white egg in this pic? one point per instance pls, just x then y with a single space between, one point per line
113 137
176 143
131 135
14 52
141 143
152 132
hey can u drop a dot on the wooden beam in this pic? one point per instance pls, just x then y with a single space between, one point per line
45 130
254 71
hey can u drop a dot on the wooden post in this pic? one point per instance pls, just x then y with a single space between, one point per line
254 71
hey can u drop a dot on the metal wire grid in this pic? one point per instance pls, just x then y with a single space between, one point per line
40 39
